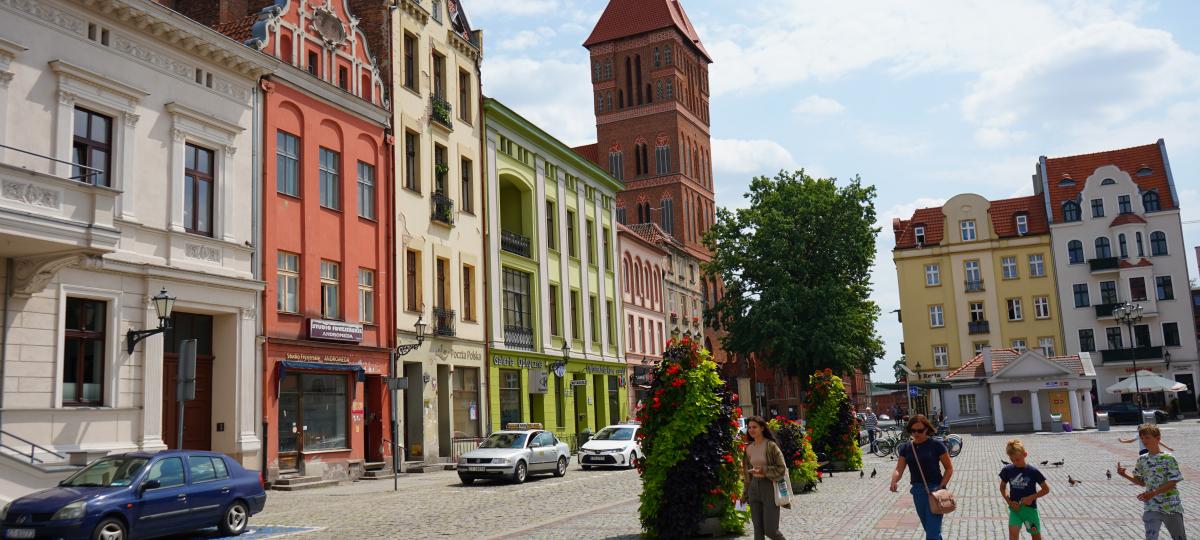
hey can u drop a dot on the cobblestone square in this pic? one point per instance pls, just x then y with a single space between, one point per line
603 504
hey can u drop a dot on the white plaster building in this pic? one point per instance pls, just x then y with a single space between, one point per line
1020 390
643 291
163 110
1117 237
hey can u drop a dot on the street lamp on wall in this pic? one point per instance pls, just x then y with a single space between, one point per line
560 365
419 327
163 305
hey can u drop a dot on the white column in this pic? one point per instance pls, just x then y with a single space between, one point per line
585 298
997 413
247 389
152 381
493 209
175 181
1037 410
543 253
564 264
1089 416
64 119
1076 419
601 275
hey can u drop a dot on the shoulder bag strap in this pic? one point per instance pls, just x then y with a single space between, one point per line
917 458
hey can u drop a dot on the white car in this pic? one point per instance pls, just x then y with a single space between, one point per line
613 446
516 453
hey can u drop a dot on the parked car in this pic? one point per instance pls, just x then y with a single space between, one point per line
141 495
515 453
612 446
1128 413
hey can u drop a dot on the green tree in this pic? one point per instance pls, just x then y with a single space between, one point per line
898 368
796 267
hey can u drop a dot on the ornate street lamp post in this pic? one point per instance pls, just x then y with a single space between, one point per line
163 305
1129 315
924 401
395 383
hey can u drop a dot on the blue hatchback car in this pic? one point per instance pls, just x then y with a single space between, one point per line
140 495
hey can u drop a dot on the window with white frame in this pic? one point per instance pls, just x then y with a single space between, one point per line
1041 307
330 182
966 404
974 276
1046 344
1022 224
1037 265
366 190
936 316
287 163
287 282
941 356
330 294
919 232
979 345
1008 266
1018 345
967 228
933 275
366 296
1014 309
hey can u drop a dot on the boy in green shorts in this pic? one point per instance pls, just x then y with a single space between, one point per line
1019 486
1158 473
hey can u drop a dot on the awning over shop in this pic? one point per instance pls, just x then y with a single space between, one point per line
360 374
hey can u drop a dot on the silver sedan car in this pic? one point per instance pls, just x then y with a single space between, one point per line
514 455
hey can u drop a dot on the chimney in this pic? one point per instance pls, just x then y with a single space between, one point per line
987 360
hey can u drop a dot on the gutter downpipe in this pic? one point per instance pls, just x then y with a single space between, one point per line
484 183
258 139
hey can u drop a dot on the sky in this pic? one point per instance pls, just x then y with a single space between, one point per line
923 100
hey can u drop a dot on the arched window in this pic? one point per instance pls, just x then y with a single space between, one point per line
641 216
627 276
1071 211
1150 201
1122 246
1141 250
1158 243
1103 248
1075 252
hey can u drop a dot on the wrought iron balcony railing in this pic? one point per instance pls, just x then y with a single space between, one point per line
974 285
1104 264
978 327
1136 353
518 337
514 243
443 321
441 208
443 112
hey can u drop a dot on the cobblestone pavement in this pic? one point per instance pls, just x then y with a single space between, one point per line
603 504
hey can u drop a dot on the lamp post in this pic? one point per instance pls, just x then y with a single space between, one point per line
163 305
396 383
1129 315
924 401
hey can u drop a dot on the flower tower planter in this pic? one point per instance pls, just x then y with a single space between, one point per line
691 470
831 423
796 445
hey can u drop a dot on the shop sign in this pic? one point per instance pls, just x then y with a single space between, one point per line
335 331
444 352
603 370
539 381
1056 384
508 361
579 382
321 358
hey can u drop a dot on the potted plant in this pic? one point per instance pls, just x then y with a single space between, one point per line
796 445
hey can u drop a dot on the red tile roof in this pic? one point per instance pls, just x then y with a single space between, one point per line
1004 215
973 369
588 151
931 218
1129 160
640 238
1126 218
654 234
237 29
625 18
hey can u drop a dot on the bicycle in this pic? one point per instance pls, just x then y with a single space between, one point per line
954 443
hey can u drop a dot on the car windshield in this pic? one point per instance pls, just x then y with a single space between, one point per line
107 472
505 440
614 434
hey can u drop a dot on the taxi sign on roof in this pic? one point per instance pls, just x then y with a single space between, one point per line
522 426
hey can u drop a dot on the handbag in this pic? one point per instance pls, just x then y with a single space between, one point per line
941 501
783 488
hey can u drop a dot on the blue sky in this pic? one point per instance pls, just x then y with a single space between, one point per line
924 100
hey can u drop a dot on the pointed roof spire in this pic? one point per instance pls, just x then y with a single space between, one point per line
625 18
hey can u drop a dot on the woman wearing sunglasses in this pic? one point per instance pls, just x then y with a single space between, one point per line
924 453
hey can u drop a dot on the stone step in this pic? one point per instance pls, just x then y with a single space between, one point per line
414 467
297 480
377 475
305 485
375 465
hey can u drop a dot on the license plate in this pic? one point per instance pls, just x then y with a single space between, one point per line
473 469
19 533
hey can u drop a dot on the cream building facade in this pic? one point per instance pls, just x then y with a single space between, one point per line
162 114
439 228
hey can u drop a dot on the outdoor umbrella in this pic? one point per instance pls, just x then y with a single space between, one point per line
1149 382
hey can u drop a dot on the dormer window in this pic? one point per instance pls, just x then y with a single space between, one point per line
1108 182
967 227
1066 182
1022 224
1071 211
1145 171
919 230
1150 201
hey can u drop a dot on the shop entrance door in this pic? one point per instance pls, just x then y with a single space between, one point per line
581 401
372 433
414 415
1187 398
599 399
445 444
1059 404
288 424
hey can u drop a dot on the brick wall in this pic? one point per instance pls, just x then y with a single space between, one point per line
375 21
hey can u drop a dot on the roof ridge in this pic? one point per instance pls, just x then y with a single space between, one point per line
1136 147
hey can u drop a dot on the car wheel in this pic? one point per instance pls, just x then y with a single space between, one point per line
633 460
110 529
235 520
466 480
561 471
520 473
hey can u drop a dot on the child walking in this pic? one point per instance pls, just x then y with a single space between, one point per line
1158 472
1019 486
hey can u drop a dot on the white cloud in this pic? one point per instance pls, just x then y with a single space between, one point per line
555 94
488 8
890 143
756 157
815 105
526 39
994 137
787 41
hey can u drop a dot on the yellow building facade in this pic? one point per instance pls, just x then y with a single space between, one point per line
972 273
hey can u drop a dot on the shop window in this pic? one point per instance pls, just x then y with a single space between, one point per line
466 402
510 396
321 415
83 352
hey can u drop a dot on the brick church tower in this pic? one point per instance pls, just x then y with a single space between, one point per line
650 96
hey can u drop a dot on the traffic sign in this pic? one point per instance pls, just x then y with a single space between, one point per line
914 391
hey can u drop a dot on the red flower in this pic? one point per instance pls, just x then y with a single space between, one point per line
728 458
737 411
818 474
714 491
673 369
734 398
678 382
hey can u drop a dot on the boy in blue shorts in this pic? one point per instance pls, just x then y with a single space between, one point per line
1019 486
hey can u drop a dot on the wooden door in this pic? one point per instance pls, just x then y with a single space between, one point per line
197 413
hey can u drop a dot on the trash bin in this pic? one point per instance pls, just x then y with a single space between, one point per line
1056 425
1101 421
1067 427
1148 417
